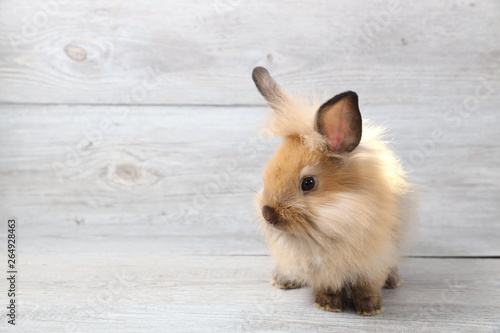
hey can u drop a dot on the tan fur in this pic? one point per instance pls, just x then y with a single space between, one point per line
346 232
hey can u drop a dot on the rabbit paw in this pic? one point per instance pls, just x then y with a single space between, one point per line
393 281
369 306
284 283
367 297
330 301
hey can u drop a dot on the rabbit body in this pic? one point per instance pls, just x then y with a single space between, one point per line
331 201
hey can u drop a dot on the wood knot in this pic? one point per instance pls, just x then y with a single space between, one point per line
76 53
128 172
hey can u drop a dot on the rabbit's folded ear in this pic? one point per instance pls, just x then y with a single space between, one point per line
339 120
271 91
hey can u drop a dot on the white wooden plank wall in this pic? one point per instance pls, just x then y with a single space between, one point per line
117 119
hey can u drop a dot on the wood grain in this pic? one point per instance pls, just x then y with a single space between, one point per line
233 294
182 179
197 52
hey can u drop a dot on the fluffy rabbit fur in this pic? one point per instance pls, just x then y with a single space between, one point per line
331 201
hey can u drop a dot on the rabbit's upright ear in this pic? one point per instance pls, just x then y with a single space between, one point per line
339 120
266 85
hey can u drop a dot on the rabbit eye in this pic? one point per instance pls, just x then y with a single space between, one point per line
308 184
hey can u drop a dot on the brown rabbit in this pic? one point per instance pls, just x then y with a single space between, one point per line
331 201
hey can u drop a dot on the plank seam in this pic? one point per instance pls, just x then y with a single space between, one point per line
137 105
406 257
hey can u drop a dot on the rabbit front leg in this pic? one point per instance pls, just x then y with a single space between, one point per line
330 300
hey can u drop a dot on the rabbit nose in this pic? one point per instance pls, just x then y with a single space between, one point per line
269 214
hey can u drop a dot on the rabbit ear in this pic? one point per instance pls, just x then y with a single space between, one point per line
339 120
271 91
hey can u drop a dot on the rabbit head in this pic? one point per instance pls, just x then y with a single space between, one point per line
315 167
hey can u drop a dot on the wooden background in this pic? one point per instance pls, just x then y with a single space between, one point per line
130 153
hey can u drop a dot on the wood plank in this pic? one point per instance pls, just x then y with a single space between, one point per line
144 179
130 293
197 52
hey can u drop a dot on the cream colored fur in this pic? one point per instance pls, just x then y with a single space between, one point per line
345 232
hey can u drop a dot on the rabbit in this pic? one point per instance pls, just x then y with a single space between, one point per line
330 205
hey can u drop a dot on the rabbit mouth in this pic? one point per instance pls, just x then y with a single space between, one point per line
277 224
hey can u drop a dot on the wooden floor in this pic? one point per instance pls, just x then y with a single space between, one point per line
130 154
